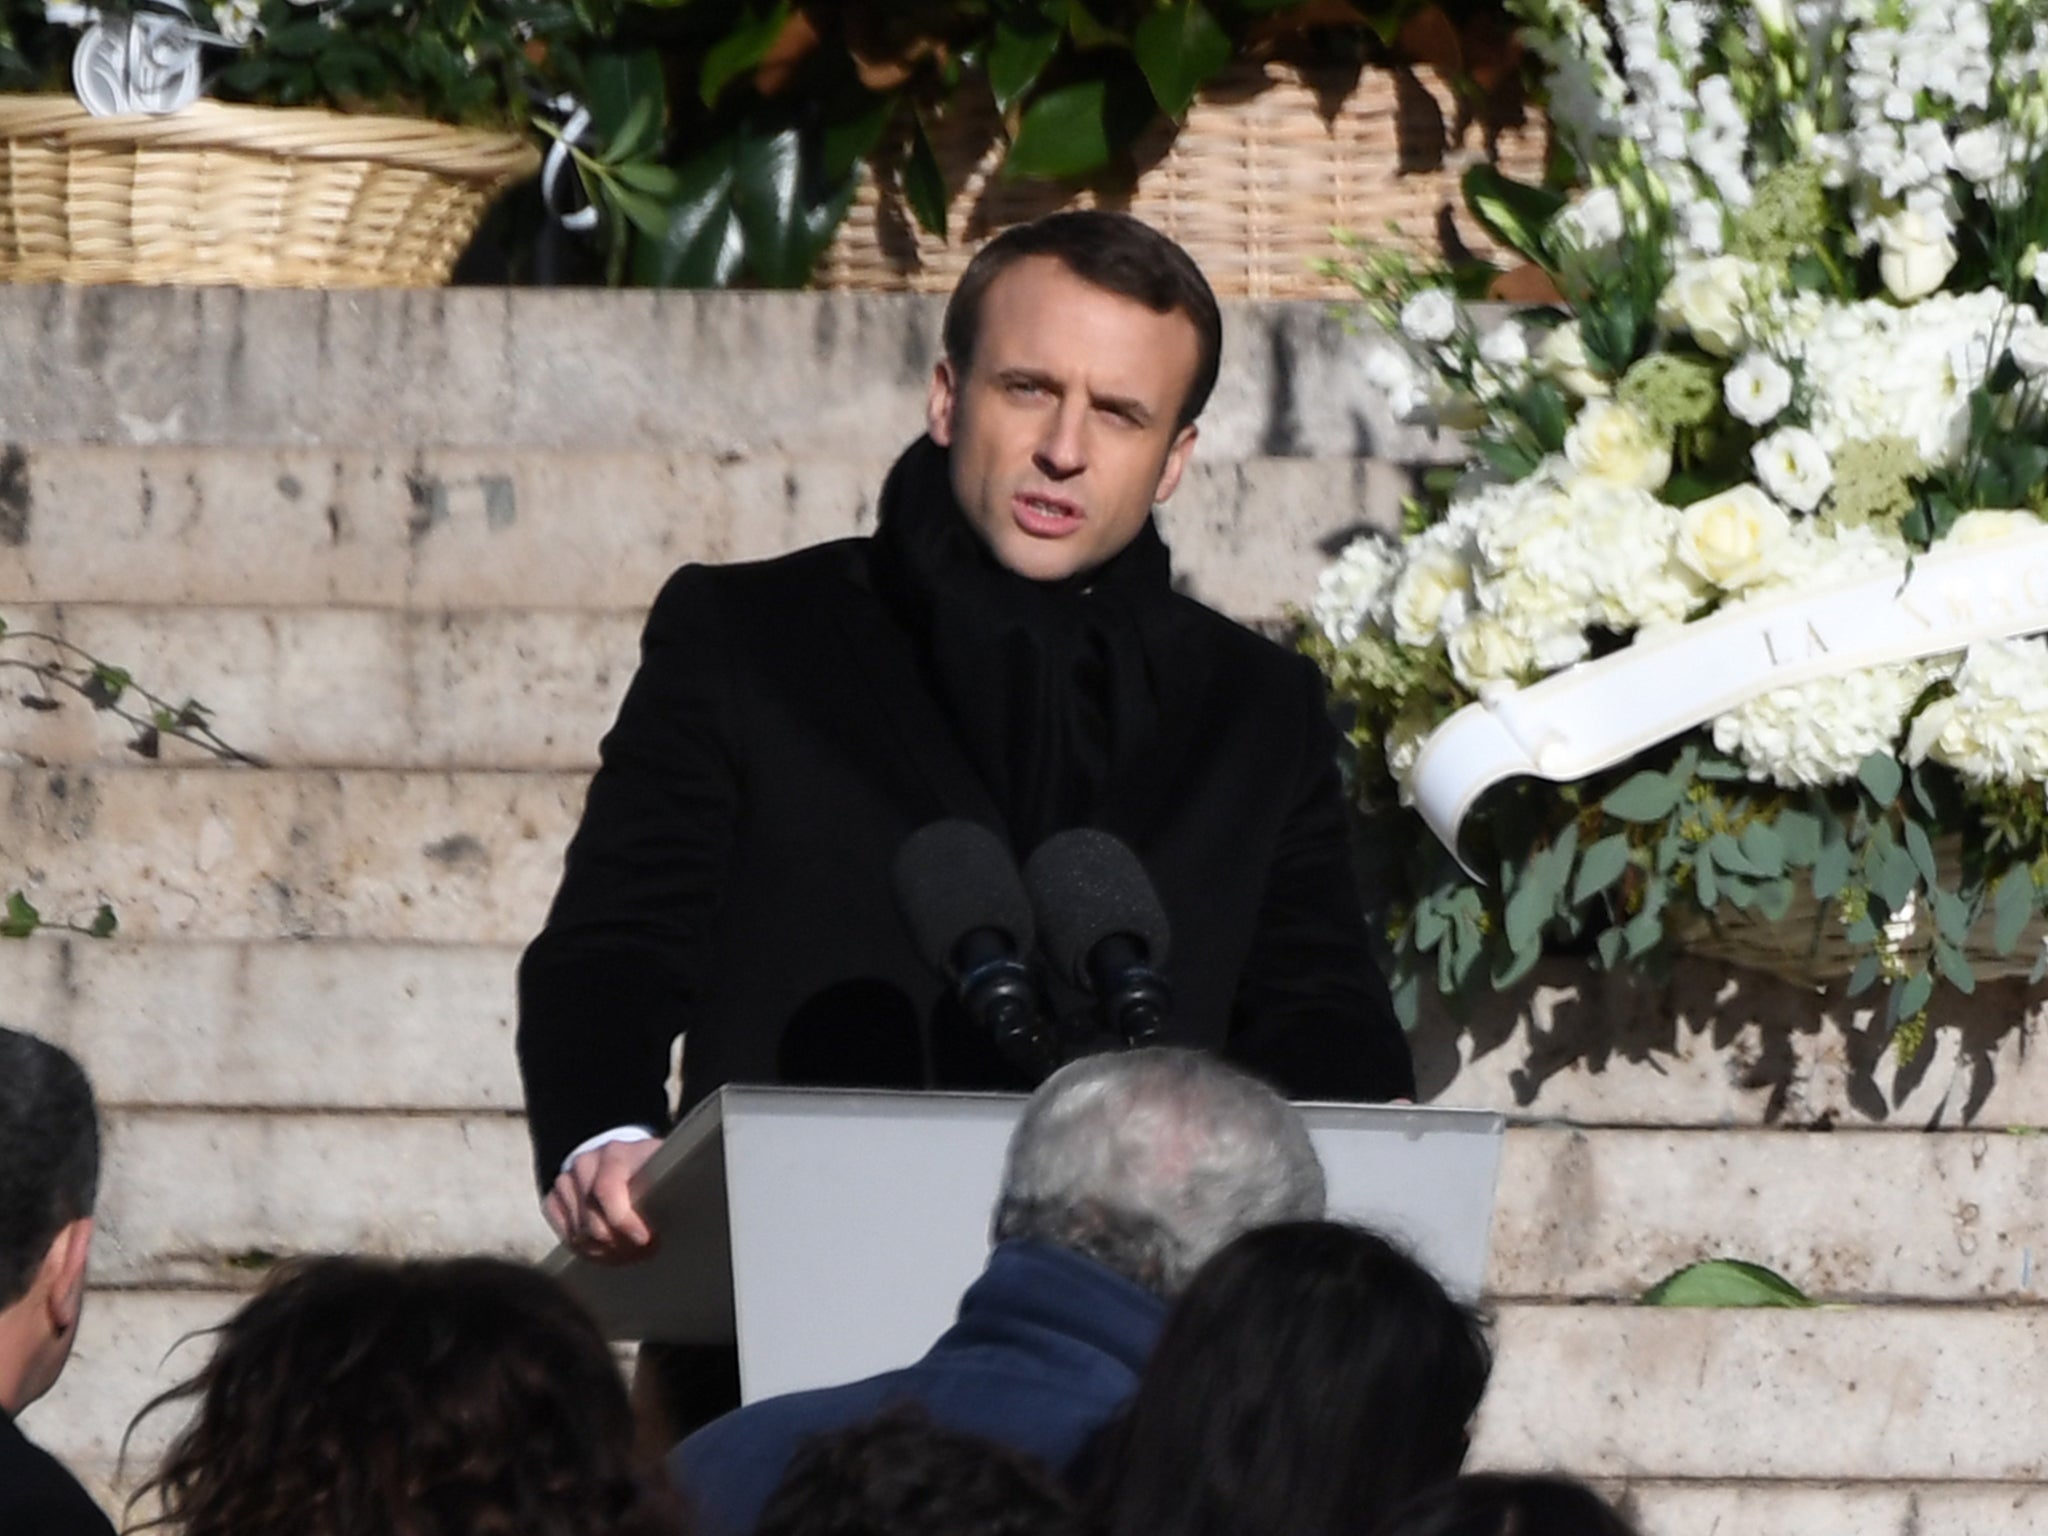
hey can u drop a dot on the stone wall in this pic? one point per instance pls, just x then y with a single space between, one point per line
401 544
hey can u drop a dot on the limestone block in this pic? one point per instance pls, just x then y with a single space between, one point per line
209 1199
32 983
1883 1393
1836 1509
1718 1045
225 853
515 690
288 1025
131 1346
813 374
1950 1216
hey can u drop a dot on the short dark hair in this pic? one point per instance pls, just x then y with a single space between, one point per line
434 1397
900 1474
1495 1504
1312 1378
49 1154
1112 251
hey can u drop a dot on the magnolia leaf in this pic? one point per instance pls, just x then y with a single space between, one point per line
1179 46
851 137
702 245
1644 796
924 184
1063 133
1514 214
1881 775
1602 865
744 45
21 920
1726 1283
1016 60
2012 908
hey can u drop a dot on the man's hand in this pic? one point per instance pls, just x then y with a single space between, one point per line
590 1209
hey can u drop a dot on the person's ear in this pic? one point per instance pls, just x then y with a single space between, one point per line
63 1276
1176 462
940 403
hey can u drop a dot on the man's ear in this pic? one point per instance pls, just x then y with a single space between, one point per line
1176 462
63 1275
939 404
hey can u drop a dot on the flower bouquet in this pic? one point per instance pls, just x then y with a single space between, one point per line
1731 637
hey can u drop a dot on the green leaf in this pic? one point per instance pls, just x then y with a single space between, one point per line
1407 996
1179 46
1863 975
1727 852
104 923
21 920
1430 925
847 140
1954 966
1922 854
1774 898
1087 32
659 182
1764 847
1706 883
1608 947
1644 796
1910 996
1602 865
1516 215
1534 899
1064 133
1016 60
2013 906
702 246
1725 1283
924 184
1799 831
1643 933
1896 879
744 45
1881 775
1831 869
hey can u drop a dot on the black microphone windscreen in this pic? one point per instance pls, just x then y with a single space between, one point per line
952 878
1086 886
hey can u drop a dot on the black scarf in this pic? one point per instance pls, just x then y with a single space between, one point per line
1053 686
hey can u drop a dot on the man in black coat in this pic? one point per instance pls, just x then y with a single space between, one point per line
49 1174
1007 648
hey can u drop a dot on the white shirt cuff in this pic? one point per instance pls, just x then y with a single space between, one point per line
603 1138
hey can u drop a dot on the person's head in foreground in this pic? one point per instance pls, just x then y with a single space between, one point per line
899 1474
1079 349
1495 1505
49 1178
452 1397
1312 1378
1149 1161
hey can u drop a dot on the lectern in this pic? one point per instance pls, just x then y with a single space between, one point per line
830 1232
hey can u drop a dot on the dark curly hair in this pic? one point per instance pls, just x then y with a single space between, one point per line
454 1397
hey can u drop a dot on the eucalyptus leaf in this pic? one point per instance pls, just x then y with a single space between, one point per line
1909 996
1602 864
1608 948
1644 796
1952 915
1881 775
1863 975
2013 905
1954 966
1774 898
1922 853
1897 876
1706 883
1764 847
1799 832
1643 933
1725 1283
1725 851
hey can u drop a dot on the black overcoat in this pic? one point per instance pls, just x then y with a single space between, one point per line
730 880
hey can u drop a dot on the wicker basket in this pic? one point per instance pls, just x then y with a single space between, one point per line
261 197
1271 159
1808 944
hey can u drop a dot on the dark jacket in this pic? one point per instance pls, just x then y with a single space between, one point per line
38 1497
730 880
1048 1346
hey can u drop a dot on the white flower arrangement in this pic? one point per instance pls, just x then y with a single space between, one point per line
1798 343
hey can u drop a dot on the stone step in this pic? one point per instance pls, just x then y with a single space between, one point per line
1857 1216
403 1025
244 853
1927 1404
1898 1394
566 528
740 374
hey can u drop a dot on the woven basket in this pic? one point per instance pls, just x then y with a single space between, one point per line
1271 159
261 197
1808 945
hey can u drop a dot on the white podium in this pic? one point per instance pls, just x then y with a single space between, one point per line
830 1232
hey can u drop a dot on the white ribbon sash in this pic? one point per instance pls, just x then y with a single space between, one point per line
1599 713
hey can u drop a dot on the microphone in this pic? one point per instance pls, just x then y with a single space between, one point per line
1104 927
957 888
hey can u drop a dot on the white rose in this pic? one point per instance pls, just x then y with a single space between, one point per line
1430 317
1613 441
1594 220
1794 467
1757 388
1982 154
2030 350
1484 650
1988 525
1730 538
1708 299
1915 254
1504 347
1431 594
1563 358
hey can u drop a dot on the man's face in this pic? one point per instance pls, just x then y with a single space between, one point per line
1063 430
